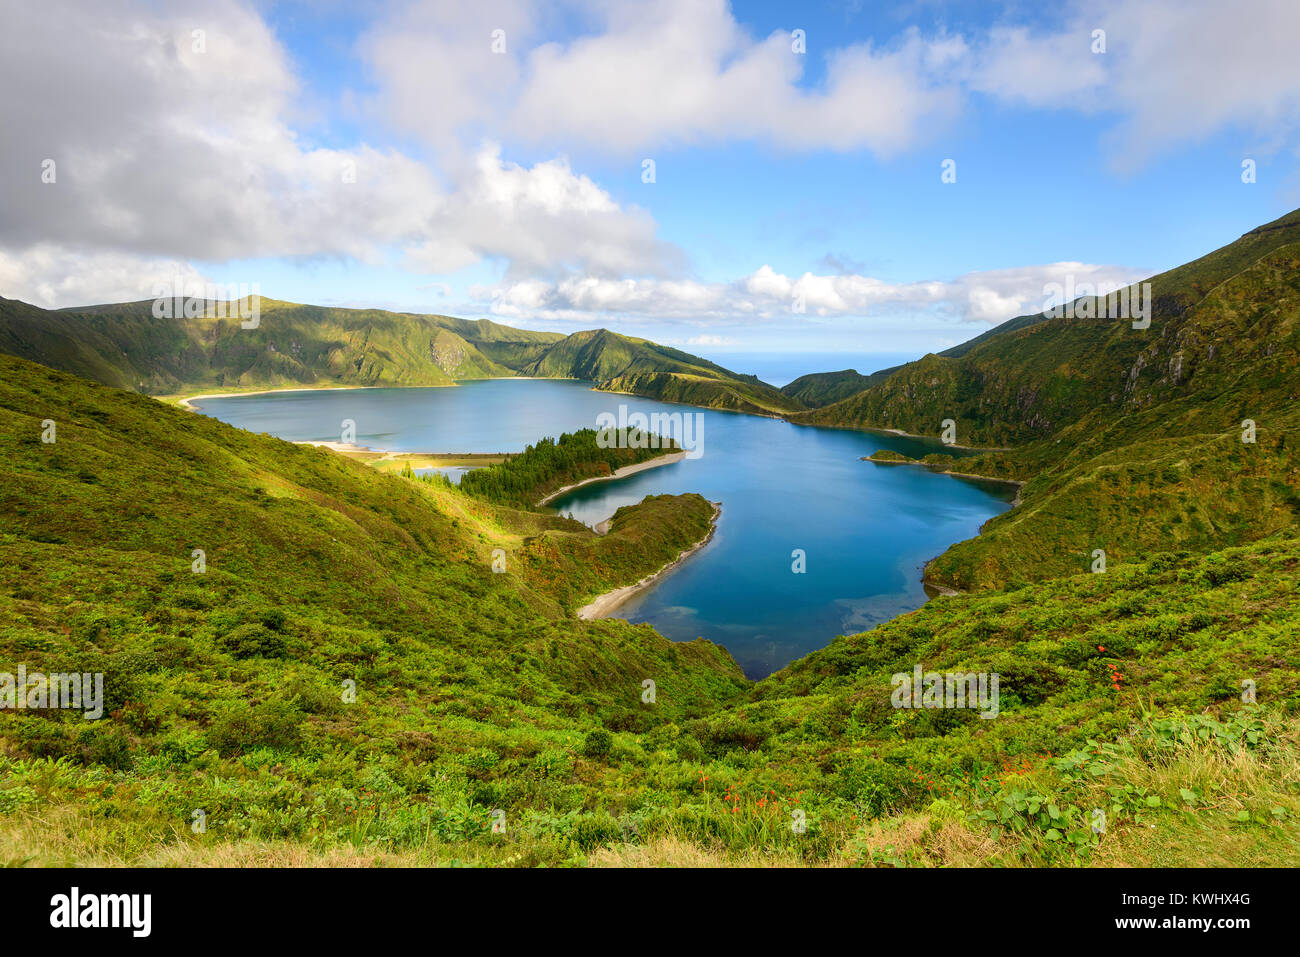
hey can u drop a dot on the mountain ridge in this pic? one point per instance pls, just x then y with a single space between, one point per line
126 345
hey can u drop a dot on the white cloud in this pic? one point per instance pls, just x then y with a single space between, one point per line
437 73
652 75
1174 71
162 150
989 296
1040 70
540 220
168 155
54 276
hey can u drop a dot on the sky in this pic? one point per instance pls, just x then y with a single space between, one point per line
753 177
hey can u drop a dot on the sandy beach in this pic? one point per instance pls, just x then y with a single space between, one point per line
626 470
345 447
188 401
604 605
386 460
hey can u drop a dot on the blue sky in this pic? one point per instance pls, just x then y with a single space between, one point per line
509 184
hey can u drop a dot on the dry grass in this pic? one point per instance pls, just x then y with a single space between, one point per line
1208 835
919 840
64 837
677 852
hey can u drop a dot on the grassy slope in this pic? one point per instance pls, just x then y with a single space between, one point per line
1168 468
1182 631
1184 284
820 389
1131 438
126 346
1186 772
318 569
1025 382
477 691
623 364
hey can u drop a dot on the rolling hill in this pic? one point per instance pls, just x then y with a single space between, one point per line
1034 375
640 367
341 677
819 389
1130 440
127 346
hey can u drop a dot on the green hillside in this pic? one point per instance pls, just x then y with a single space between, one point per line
640 367
733 395
1183 284
126 346
478 692
1130 439
1161 689
1033 376
823 388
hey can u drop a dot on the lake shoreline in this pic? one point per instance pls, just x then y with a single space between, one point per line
882 430
940 470
948 590
187 402
779 416
670 459
385 460
602 606
505 415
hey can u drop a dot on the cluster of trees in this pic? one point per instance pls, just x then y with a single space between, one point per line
553 463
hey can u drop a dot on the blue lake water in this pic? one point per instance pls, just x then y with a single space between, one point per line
865 530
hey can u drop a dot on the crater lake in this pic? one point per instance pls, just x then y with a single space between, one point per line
865 530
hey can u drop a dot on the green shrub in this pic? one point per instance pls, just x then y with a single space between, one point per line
272 724
595 830
100 743
253 640
598 744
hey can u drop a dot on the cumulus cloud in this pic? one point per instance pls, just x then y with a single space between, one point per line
1174 71
989 296
540 220
665 73
54 276
164 140
171 147
655 74
158 141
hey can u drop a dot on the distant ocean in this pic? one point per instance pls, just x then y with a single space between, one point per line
781 368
